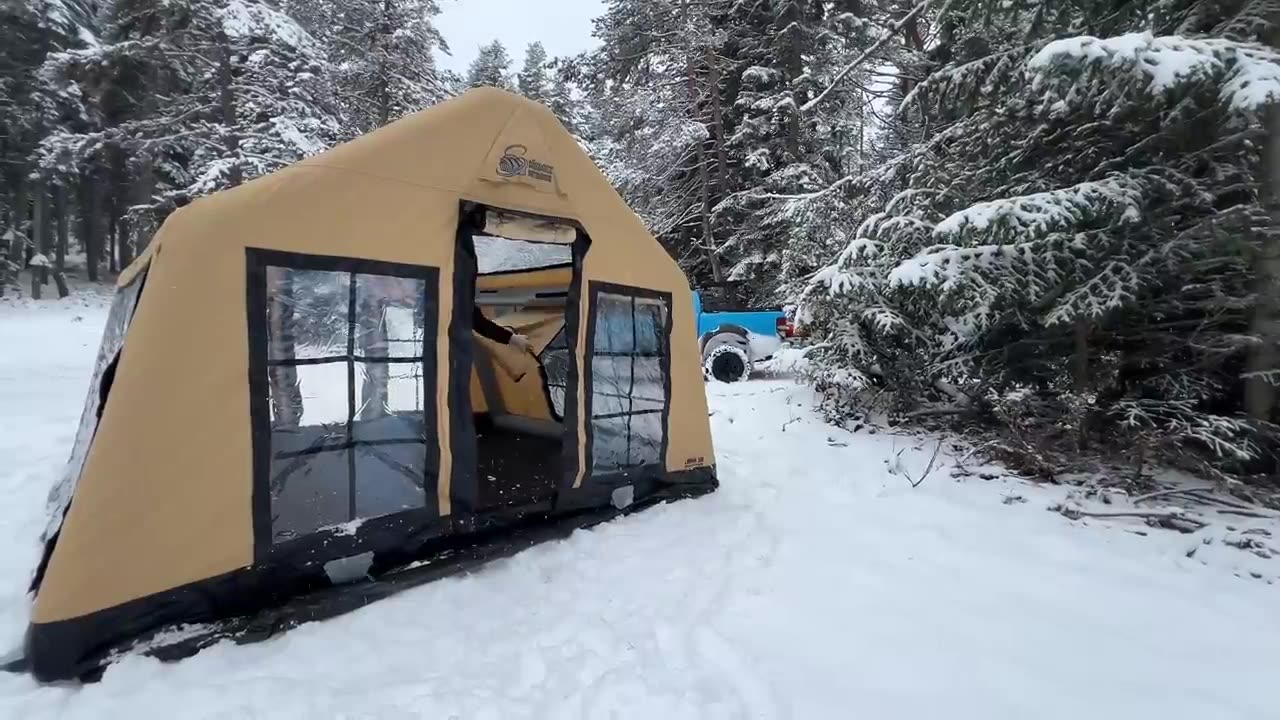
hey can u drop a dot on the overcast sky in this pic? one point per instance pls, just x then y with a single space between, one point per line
563 27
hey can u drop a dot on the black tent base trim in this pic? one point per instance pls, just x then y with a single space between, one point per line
310 597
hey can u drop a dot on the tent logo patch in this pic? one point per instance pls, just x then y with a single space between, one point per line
513 163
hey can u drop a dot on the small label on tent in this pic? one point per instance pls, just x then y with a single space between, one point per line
515 163
694 462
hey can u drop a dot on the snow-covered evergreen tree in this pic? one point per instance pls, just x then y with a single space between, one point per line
703 127
790 52
232 89
1077 220
562 97
532 80
380 57
33 192
491 67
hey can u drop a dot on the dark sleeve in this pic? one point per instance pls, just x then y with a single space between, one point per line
488 328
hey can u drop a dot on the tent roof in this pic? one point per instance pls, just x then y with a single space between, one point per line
471 145
486 145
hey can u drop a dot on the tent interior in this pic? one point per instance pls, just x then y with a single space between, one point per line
519 402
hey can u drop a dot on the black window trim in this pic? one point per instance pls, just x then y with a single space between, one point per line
320 544
595 288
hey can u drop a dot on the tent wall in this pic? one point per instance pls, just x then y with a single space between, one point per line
165 495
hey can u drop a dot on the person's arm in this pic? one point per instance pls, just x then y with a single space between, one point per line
488 328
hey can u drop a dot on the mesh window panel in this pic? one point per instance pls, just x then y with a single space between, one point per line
629 381
348 388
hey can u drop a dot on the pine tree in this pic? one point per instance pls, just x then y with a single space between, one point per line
561 98
228 91
532 79
1071 222
380 57
491 67
654 90
32 105
791 51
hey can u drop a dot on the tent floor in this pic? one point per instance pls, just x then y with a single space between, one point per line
515 469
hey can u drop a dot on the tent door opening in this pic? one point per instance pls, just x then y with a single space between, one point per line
517 398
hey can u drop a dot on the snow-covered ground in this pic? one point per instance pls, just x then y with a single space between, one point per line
816 583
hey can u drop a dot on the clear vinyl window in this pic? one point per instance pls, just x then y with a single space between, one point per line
119 316
630 378
555 365
349 369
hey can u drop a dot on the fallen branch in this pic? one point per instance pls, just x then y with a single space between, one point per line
1205 495
1074 512
1247 513
1173 519
1161 493
936 411
928 469
1220 500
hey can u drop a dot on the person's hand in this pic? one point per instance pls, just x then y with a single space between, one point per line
520 342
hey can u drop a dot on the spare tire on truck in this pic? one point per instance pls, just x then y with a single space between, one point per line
727 363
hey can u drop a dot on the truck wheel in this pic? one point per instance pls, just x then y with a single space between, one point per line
728 363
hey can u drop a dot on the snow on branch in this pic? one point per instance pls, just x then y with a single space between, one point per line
1115 287
242 20
973 72
1044 212
1253 71
942 264
1180 421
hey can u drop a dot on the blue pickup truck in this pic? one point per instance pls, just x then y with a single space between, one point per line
733 337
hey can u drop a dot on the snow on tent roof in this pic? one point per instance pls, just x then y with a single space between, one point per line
495 254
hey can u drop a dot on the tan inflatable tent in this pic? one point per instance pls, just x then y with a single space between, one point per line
290 395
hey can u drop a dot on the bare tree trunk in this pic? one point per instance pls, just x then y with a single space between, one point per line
143 192
1262 366
124 241
90 227
793 66
227 105
39 220
121 199
64 228
707 240
144 188
1080 376
384 88
61 237
113 239
15 248
717 126
13 256
21 220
